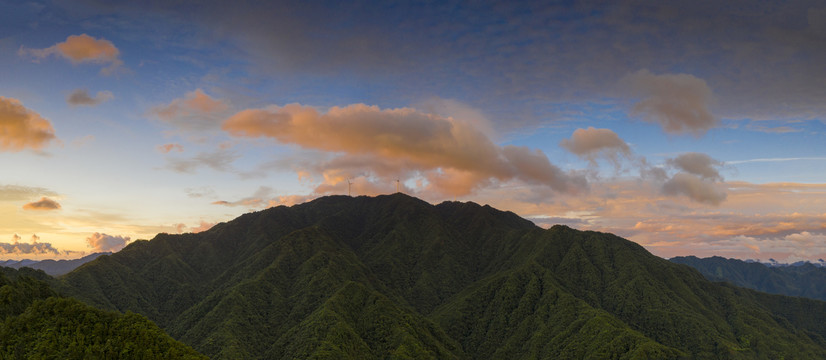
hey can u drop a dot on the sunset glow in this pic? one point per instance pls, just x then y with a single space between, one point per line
691 129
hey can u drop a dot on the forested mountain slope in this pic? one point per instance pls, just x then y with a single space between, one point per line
804 280
36 323
395 277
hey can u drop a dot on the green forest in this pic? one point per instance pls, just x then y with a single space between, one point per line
806 280
37 323
393 277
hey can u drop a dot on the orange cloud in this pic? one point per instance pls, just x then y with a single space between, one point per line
677 102
102 242
402 143
81 49
82 97
44 204
592 143
196 111
754 216
21 128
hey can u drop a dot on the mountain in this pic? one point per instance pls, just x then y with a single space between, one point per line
804 279
395 277
52 267
36 323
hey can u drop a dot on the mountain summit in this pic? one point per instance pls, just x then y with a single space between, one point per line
395 277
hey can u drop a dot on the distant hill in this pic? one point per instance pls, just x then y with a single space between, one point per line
801 279
36 323
52 267
395 277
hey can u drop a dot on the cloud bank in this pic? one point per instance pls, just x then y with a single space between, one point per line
35 248
451 155
21 128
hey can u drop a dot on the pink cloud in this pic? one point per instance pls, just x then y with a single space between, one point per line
100 242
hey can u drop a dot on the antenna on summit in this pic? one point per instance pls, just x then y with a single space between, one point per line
349 185
397 186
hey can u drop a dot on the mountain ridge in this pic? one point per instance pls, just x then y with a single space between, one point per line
805 280
51 266
461 280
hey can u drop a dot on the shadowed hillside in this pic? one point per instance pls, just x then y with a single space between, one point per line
36 323
395 277
804 280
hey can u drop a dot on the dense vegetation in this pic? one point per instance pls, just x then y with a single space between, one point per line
36 323
395 277
805 280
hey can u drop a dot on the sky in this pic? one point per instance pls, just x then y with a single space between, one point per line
689 127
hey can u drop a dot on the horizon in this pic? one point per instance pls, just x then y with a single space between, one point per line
690 129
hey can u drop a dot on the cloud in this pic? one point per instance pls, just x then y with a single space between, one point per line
82 49
196 111
592 143
677 102
261 198
698 164
775 160
203 226
18 193
44 204
695 187
21 128
450 154
697 177
218 160
35 248
100 242
166 148
81 97
772 130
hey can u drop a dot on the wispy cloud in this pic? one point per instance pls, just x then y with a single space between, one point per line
81 97
18 193
735 162
195 112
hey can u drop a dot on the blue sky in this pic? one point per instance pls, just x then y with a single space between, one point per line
689 127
